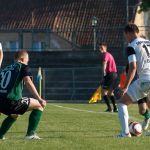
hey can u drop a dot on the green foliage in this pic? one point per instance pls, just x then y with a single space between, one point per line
145 5
75 127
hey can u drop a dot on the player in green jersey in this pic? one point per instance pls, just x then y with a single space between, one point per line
12 103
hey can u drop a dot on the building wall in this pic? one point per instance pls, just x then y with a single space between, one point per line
6 37
27 40
35 42
143 21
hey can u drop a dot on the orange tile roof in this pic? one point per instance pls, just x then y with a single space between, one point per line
65 15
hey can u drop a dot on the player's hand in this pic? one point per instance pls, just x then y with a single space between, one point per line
123 91
43 103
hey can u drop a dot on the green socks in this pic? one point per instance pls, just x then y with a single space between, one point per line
34 119
147 114
7 123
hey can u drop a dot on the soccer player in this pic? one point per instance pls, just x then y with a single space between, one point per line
109 80
143 104
12 103
138 52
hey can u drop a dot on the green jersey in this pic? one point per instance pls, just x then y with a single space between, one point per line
11 80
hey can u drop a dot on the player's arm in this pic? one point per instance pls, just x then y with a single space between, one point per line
104 64
25 73
132 66
31 87
1 55
104 68
131 74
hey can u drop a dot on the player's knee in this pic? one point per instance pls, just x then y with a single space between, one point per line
40 108
142 111
34 104
126 99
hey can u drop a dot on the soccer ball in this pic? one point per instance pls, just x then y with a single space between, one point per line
135 128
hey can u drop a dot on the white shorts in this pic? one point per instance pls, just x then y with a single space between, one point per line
139 89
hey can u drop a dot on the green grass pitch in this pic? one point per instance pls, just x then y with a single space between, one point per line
75 127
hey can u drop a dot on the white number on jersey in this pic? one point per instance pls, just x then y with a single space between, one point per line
5 79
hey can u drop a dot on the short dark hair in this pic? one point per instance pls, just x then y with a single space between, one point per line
132 28
103 44
20 53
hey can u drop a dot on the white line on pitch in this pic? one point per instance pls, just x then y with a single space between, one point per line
81 110
89 111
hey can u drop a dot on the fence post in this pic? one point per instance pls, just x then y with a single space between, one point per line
43 91
39 79
73 84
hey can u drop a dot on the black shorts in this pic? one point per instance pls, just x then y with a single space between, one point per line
110 81
9 107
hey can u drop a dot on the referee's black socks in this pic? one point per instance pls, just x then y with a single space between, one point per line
113 102
106 99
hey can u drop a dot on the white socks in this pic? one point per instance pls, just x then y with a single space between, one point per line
124 118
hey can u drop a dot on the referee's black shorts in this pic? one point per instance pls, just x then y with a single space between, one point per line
9 107
110 81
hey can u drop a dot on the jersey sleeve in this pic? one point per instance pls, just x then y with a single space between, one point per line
25 71
131 54
105 57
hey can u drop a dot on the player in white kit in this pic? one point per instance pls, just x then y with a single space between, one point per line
138 52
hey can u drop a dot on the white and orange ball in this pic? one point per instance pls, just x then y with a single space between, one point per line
135 128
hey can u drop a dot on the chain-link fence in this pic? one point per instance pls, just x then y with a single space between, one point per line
68 84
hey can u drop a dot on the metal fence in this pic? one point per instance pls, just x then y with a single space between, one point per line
68 84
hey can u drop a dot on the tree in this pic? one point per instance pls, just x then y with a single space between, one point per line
144 6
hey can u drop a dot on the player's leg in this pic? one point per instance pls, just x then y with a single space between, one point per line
9 120
148 101
148 104
113 83
34 118
112 98
124 116
143 110
132 95
6 125
105 87
136 91
20 107
106 99
146 86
